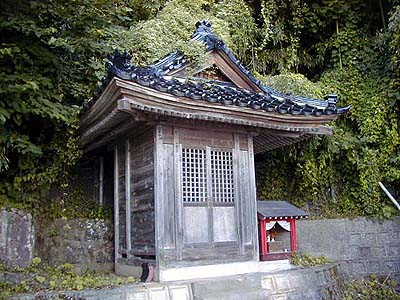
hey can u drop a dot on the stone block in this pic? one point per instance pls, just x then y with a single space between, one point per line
159 293
133 295
357 225
310 295
16 237
268 283
368 238
373 267
280 297
378 252
296 281
355 239
181 292
358 268
282 283
394 238
364 252
383 238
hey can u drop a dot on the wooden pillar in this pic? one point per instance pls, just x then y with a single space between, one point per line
293 237
238 204
263 237
253 195
128 221
116 205
178 194
101 181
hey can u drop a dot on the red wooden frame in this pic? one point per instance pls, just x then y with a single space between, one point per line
264 249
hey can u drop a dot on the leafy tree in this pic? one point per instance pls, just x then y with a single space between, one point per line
51 57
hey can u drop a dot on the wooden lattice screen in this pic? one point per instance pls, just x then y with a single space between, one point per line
222 176
194 176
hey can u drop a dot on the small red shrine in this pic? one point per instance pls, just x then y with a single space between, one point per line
277 229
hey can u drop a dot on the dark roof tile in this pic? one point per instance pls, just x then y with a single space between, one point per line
214 91
277 209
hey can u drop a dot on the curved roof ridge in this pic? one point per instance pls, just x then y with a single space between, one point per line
204 33
269 99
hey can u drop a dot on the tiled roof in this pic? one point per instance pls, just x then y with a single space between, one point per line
277 209
200 89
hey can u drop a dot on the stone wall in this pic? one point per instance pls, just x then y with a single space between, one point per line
16 237
87 244
363 246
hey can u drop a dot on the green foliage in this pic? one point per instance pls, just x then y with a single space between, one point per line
338 175
372 289
51 58
40 277
307 260
295 84
172 27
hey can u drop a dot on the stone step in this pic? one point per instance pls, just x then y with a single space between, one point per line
223 284
237 295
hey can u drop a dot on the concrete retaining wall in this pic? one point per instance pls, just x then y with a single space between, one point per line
16 238
362 246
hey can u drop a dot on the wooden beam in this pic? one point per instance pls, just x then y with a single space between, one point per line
232 71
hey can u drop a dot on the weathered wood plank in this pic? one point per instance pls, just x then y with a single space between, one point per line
142 191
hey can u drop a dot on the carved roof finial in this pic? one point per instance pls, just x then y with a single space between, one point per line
203 23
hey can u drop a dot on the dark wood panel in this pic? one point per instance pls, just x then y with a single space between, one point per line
142 193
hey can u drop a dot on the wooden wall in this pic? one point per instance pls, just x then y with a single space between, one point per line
134 196
142 193
172 216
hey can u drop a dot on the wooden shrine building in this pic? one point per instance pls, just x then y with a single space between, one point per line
174 150
277 229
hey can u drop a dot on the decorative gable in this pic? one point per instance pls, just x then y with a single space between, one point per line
213 73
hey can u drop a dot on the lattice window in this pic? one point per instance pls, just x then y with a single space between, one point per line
222 176
194 175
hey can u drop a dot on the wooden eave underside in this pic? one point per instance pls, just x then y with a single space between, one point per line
124 104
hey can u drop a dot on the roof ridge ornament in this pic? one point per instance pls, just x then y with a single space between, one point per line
119 64
204 22
205 35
